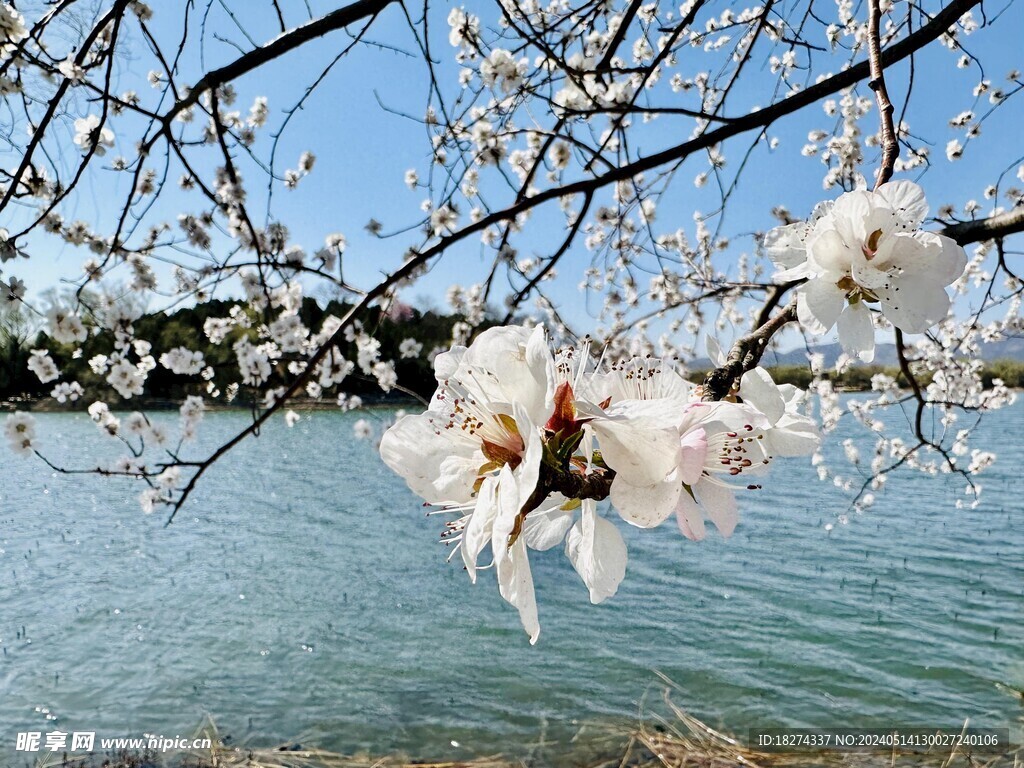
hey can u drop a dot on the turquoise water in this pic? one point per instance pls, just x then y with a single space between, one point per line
302 595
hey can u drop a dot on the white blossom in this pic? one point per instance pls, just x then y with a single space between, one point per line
89 136
42 365
20 429
866 249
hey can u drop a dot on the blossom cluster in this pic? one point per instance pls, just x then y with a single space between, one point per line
520 442
867 248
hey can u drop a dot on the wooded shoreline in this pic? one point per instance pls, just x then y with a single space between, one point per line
853 380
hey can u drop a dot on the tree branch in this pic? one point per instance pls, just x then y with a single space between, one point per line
890 145
991 228
745 355
759 119
288 41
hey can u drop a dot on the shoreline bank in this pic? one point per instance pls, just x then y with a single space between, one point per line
660 742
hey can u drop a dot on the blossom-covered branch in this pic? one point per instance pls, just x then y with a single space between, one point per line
531 151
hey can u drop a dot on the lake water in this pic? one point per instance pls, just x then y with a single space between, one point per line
301 595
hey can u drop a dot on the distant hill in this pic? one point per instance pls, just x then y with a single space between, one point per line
885 354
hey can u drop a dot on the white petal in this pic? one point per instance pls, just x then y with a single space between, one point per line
868 275
716 416
792 395
786 245
914 306
907 199
657 413
597 552
446 363
434 467
518 370
828 252
512 564
719 503
645 506
456 477
714 350
690 517
542 368
856 332
759 389
793 436
638 451
853 216
944 260
821 212
799 272
819 303
480 528
907 252
546 527
515 582
528 472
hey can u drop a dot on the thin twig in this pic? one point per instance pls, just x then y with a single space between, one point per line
890 145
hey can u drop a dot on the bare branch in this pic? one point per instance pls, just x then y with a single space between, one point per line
890 145
280 45
745 355
991 228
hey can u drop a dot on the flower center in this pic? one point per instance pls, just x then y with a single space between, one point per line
469 419
870 248
736 452
854 291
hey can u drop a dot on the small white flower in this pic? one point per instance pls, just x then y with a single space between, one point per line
126 378
410 348
500 69
183 361
443 220
90 136
12 27
42 365
65 326
464 28
560 154
11 291
66 391
349 402
100 413
141 10
71 70
168 479
148 500
20 431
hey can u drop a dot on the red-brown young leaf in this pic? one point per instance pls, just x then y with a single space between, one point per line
564 416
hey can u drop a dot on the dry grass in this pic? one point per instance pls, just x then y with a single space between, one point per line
671 740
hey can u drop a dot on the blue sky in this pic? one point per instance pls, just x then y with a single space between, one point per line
363 151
